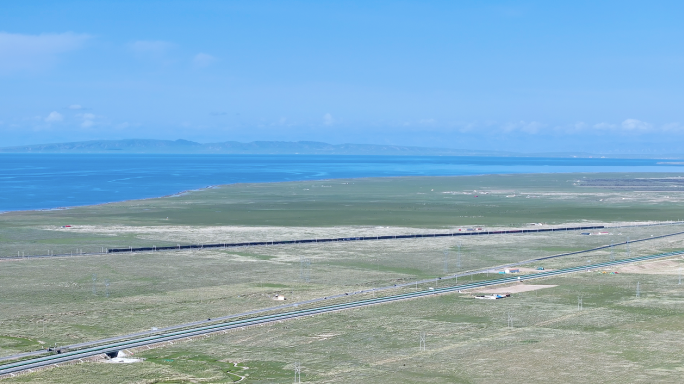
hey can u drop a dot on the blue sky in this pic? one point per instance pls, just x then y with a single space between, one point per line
530 76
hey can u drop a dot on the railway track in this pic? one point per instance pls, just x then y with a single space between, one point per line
324 299
134 342
468 232
106 251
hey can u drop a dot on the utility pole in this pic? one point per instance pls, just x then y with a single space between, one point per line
579 303
304 269
612 255
297 373
638 290
629 251
422 341
458 257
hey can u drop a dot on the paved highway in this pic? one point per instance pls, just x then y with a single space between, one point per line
133 342
323 299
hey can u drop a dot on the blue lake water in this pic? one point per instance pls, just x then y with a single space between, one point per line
44 181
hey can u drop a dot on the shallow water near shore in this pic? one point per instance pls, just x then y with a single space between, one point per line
50 181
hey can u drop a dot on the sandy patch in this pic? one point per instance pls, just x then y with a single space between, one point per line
326 336
158 235
523 270
660 267
511 288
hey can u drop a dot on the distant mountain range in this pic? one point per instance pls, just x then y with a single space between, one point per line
142 146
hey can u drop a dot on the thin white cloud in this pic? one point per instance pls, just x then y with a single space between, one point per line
54 117
20 52
636 125
88 120
203 60
75 106
328 119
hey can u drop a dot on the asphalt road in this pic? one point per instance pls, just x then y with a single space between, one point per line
133 342
327 298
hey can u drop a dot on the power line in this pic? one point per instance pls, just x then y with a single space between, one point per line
304 269
297 372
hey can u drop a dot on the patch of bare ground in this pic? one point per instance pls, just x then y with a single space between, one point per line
660 267
511 288
523 270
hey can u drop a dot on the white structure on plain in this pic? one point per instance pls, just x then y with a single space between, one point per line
422 341
579 303
106 287
297 372
638 292
510 320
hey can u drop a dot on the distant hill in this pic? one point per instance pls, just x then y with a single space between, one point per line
234 147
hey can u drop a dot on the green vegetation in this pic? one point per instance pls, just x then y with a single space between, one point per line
427 202
617 337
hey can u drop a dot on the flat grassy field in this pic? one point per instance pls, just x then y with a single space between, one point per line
615 338
274 211
65 300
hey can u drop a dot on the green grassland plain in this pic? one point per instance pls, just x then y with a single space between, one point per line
616 337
